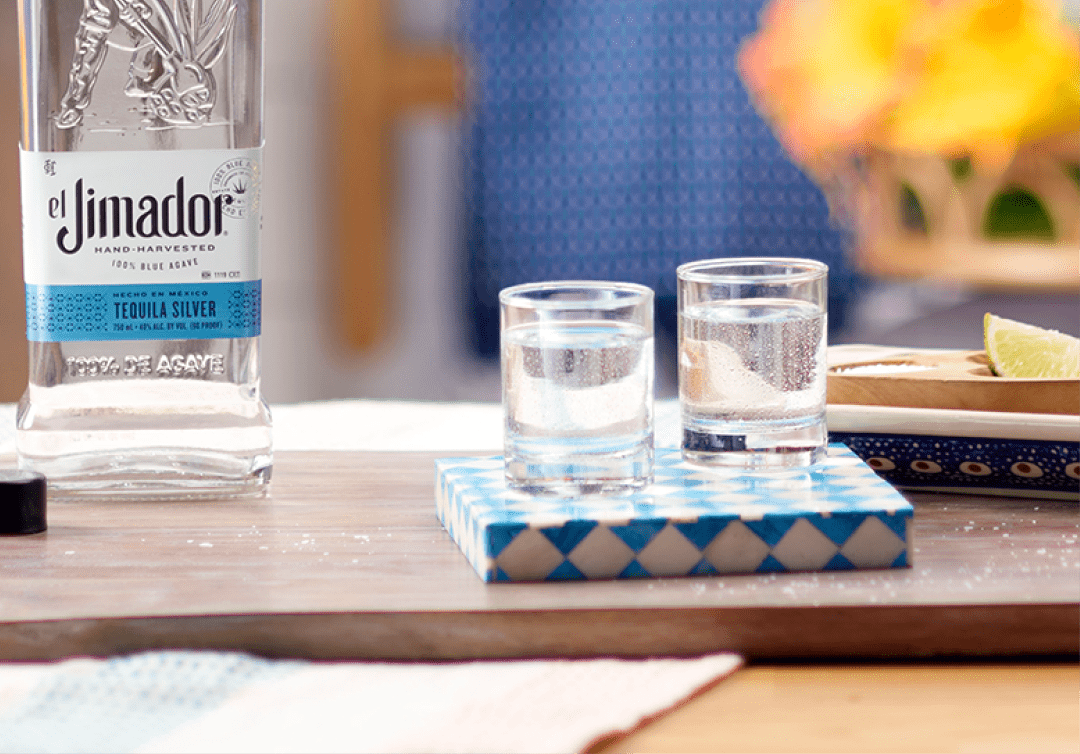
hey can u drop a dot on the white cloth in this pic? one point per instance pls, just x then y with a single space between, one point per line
420 426
389 425
396 425
228 702
7 428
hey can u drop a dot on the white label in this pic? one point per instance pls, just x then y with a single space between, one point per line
141 218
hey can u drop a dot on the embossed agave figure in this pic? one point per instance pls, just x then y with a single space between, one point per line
173 48
141 168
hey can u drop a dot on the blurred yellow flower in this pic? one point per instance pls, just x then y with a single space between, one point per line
824 70
948 77
992 74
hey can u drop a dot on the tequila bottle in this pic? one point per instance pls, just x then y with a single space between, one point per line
141 164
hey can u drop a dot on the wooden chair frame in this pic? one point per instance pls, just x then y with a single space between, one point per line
378 79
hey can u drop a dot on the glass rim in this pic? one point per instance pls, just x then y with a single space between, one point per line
795 270
630 294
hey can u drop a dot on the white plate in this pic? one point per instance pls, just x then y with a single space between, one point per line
953 423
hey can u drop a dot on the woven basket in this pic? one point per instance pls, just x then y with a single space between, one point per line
921 216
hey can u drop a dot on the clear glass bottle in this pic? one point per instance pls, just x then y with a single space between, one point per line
141 174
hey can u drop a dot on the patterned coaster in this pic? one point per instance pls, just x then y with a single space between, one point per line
838 515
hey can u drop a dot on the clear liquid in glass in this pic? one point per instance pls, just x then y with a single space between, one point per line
752 382
578 403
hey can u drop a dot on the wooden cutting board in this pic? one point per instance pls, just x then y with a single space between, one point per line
947 379
345 559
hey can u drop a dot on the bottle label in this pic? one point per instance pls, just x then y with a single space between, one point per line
142 245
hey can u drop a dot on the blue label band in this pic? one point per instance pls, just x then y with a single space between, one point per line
184 311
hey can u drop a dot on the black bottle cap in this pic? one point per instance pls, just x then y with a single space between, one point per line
22 502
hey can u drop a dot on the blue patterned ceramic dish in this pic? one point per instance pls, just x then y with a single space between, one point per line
943 450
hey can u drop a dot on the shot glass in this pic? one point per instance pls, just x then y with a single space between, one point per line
577 378
752 336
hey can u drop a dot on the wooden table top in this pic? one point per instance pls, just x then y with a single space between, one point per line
911 707
345 559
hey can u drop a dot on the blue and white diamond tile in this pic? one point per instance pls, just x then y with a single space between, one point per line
691 521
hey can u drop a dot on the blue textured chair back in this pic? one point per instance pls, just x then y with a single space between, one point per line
614 140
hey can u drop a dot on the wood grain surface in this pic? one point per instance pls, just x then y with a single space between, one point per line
346 559
949 379
1000 707
12 294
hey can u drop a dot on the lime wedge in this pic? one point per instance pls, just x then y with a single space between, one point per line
1018 350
